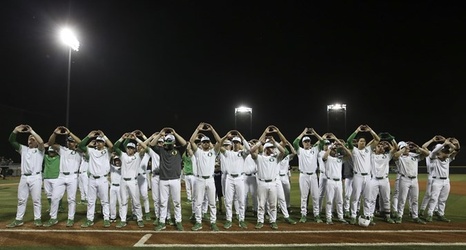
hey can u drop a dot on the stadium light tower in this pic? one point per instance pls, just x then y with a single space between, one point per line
241 111
69 39
336 108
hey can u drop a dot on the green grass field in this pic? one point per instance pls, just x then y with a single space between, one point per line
8 198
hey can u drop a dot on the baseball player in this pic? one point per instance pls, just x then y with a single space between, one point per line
142 178
408 157
347 175
250 181
321 168
379 184
99 168
333 160
130 166
169 174
51 172
361 155
267 172
189 166
308 164
440 159
153 159
32 157
205 154
115 194
83 178
427 195
70 160
283 183
188 176
232 161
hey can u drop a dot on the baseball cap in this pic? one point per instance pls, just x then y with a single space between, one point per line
100 138
236 138
169 139
205 138
131 145
50 149
268 145
402 144
306 138
70 138
227 142
326 142
160 139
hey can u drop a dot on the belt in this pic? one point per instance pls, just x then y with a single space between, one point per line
29 174
142 174
268 180
235 175
68 173
188 174
128 179
361 173
306 173
381 178
98 176
249 174
441 178
282 174
115 184
335 179
203 176
410 177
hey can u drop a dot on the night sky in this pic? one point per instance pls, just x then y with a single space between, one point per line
399 66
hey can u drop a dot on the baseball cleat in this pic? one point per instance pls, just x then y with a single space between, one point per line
38 223
160 227
51 222
15 223
197 226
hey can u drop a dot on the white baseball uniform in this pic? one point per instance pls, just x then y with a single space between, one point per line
83 178
233 163
31 181
362 167
334 186
267 172
408 183
99 168
440 183
205 183
307 161
115 194
378 185
130 166
70 160
250 183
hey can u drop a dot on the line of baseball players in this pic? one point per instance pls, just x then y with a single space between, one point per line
344 174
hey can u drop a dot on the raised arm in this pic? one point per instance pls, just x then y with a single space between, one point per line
39 140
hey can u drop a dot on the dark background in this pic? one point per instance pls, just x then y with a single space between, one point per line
397 65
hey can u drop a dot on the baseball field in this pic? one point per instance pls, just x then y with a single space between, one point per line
408 235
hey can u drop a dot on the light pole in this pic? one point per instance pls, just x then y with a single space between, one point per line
244 110
69 39
337 107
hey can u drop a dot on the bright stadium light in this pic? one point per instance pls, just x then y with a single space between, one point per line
336 107
244 110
